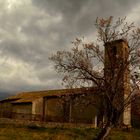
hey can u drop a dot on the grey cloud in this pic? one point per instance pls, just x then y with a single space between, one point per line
80 15
19 51
32 32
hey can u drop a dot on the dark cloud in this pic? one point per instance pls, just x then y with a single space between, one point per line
80 15
32 30
4 95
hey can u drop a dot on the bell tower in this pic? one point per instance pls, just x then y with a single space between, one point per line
117 75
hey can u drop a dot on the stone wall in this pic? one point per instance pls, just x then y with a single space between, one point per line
5 109
71 111
37 108
53 108
116 67
22 111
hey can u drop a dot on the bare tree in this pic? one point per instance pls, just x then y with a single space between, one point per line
87 64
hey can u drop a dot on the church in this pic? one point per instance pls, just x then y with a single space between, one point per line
70 105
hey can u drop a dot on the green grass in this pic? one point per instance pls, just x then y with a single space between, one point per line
33 132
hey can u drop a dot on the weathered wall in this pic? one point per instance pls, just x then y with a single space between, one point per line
82 113
37 109
53 110
86 115
5 109
116 56
71 111
22 111
37 106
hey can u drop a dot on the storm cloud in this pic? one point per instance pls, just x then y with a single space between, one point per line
30 31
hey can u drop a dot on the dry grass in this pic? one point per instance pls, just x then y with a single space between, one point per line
11 132
33 132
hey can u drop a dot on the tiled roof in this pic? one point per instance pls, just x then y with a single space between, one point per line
26 97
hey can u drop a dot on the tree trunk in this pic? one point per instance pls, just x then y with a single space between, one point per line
104 133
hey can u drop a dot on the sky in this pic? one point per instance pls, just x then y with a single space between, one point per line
31 30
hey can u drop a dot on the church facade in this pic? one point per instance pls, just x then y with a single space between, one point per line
69 105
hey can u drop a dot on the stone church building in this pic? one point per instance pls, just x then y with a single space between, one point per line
63 105
51 106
